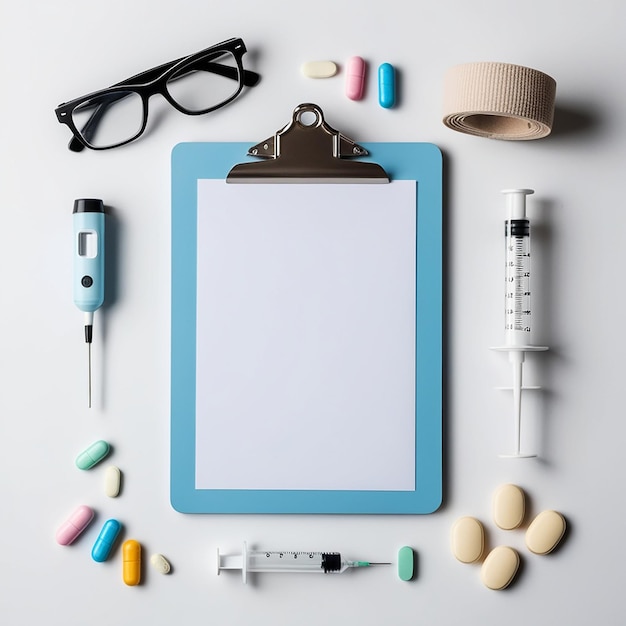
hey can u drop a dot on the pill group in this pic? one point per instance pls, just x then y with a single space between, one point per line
501 564
356 75
82 516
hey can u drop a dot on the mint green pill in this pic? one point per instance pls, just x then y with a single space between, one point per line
406 563
92 455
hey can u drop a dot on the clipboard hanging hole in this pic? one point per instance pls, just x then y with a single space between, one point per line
308 116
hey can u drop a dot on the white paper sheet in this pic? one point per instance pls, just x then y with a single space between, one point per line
305 365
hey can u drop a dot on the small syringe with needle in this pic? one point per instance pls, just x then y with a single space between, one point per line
287 562
517 305
88 225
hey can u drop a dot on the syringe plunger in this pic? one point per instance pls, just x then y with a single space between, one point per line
516 202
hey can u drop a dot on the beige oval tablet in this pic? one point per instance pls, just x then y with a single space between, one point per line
467 539
499 568
112 481
509 507
160 563
545 532
319 69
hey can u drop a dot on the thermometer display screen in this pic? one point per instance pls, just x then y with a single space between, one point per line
88 244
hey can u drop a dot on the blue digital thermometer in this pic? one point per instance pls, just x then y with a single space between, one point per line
88 223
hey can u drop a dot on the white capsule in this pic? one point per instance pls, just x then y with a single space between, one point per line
319 69
112 481
160 563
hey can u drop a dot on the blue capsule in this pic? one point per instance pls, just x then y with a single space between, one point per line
104 543
386 85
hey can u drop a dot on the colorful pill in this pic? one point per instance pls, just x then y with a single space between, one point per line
160 563
355 78
112 481
131 562
75 524
386 85
104 543
319 69
406 563
92 455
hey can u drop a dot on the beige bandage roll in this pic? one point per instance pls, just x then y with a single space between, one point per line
499 101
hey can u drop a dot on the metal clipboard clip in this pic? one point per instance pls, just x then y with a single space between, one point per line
307 150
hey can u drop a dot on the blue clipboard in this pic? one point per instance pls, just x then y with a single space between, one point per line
420 162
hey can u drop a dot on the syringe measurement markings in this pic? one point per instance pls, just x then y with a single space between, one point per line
518 266
294 555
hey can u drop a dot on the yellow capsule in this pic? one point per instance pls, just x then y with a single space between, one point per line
131 562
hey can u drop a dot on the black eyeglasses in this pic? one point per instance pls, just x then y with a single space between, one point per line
195 84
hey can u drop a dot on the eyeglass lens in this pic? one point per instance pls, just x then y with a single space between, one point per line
110 119
206 83
116 117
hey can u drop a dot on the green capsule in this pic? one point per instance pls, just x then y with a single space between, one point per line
92 455
406 563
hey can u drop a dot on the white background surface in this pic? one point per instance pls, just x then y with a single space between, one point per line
54 51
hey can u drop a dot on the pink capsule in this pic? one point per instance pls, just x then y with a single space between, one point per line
75 524
355 78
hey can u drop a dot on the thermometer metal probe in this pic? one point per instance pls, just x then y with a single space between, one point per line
88 225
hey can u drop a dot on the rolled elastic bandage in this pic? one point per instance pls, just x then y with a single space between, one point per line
499 101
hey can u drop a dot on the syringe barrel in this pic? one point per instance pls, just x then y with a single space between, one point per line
517 304
284 561
313 562
250 561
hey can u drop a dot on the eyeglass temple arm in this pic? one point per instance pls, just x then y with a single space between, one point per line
250 78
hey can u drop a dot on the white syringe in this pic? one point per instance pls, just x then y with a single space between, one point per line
286 562
517 309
